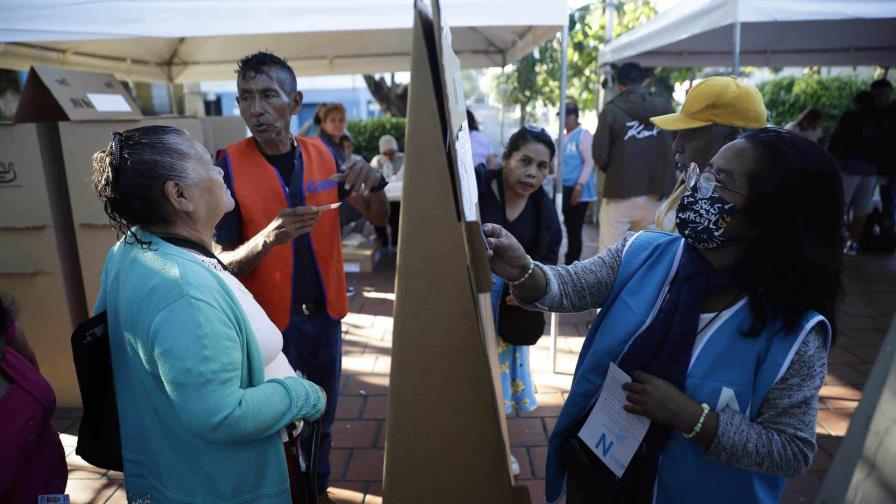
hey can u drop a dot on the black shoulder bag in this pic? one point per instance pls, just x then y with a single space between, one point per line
517 326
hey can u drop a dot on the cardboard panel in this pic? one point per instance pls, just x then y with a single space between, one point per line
38 258
447 438
30 272
219 132
58 94
94 234
23 195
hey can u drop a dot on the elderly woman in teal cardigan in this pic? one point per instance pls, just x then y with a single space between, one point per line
201 400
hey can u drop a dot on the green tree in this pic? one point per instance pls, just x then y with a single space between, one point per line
535 78
787 97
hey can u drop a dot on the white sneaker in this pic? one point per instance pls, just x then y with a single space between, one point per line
514 466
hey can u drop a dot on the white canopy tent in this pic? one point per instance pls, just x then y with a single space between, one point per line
772 33
198 40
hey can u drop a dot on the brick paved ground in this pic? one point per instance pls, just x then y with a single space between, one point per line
359 431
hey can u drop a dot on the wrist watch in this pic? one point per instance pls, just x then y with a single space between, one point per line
382 185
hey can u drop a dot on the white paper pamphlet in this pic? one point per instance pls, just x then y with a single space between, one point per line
612 433
469 190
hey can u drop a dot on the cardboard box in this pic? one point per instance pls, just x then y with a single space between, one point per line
38 259
446 435
219 132
92 230
360 259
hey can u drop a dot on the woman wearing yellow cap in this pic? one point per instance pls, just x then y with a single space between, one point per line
721 334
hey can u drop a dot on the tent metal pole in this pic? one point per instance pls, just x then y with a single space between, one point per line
558 177
735 68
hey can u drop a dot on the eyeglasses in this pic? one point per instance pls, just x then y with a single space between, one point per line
706 181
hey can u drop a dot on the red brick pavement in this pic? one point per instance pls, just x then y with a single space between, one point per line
359 432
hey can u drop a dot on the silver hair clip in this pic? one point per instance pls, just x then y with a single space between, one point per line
116 149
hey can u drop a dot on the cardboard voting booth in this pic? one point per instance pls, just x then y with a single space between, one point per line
54 230
38 258
447 436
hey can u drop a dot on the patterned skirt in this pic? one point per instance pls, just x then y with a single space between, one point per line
513 361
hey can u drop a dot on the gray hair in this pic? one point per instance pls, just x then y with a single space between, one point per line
130 175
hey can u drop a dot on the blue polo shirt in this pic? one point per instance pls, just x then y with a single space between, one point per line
306 283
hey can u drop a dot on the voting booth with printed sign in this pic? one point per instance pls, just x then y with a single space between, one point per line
38 257
447 437
53 227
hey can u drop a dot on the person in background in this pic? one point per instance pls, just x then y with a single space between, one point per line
854 144
635 156
348 147
297 276
200 380
579 182
808 124
32 459
332 128
512 197
886 148
715 112
483 154
390 162
724 330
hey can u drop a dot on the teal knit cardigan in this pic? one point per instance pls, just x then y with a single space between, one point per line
199 423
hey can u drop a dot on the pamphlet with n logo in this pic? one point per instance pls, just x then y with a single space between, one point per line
612 433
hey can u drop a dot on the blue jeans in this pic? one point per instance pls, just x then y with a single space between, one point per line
313 345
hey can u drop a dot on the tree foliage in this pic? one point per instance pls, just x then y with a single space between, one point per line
787 97
366 134
536 77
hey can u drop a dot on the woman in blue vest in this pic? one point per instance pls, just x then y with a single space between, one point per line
579 183
513 197
724 330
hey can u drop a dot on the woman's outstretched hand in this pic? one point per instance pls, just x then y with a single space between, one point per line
507 258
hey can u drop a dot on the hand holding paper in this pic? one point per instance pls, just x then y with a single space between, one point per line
612 433
661 402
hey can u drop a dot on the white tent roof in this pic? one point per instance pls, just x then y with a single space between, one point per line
189 41
774 33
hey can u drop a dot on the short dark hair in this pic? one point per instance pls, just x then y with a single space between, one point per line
129 176
629 74
525 136
345 138
8 313
795 200
471 121
267 63
881 84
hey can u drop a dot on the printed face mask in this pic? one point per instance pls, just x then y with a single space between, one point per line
703 221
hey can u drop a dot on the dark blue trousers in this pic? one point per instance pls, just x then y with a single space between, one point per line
313 345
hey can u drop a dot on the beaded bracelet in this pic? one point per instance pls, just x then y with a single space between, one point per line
699 426
527 275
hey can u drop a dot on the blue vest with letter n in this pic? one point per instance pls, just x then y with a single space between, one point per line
727 369
573 162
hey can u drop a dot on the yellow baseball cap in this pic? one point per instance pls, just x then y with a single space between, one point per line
718 100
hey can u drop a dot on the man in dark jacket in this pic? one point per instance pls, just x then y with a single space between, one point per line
634 154
886 147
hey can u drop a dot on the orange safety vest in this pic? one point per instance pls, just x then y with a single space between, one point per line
261 195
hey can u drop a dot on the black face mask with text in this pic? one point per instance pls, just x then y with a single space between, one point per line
703 222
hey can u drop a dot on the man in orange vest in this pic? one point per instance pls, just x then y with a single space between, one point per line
279 242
